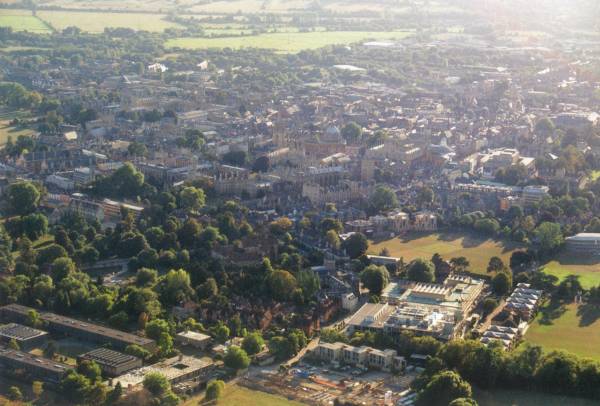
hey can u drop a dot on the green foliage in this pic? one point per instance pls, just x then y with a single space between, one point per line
236 358
125 182
421 270
356 245
384 199
214 389
281 284
253 343
192 198
22 198
443 388
375 278
137 351
502 283
352 132
549 237
156 383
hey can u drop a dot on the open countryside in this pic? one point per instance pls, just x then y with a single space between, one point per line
285 42
478 250
23 20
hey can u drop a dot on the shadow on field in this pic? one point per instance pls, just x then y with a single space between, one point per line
551 312
588 314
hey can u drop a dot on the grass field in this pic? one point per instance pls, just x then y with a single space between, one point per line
586 268
6 130
237 395
568 327
285 42
97 22
476 249
22 20
522 398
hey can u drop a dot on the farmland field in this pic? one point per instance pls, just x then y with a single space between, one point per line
478 250
96 22
570 327
285 42
22 20
237 395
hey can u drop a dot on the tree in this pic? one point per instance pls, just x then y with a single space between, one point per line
557 373
221 332
175 287
253 343
156 383
549 237
14 393
156 327
208 289
236 358
13 344
495 265
421 270
75 386
333 239
460 264
192 198
90 370
489 305
146 277
34 225
463 402
261 164
356 245
384 199
309 283
37 388
137 351
214 390
22 198
137 149
425 196
502 283
281 284
375 278
235 158
443 388
61 268
487 226
352 132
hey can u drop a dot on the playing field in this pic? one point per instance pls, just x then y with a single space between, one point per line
22 20
96 22
237 395
569 327
522 398
6 130
478 250
586 268
285 42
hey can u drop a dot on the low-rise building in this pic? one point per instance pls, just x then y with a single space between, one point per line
584 243
193 338
112 363
30 366
26 337
362 357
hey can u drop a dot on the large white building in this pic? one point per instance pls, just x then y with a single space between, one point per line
588 243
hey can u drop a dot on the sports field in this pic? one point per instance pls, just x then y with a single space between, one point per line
96 22
22 20
478 250
285 42
569 327
237 395
586 268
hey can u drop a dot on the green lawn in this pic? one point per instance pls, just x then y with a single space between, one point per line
6 130
22 20
96 22
236 395
569 327
586 268
522 398
478 250
285 42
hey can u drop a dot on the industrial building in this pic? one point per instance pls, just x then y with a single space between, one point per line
112 363
61 325
24 365
26 337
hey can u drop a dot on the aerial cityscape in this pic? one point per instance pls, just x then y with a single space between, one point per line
300 202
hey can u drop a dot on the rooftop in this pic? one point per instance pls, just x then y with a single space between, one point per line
108 357
20 332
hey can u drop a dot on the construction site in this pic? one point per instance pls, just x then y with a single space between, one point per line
317 386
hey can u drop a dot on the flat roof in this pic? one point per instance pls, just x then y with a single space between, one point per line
20 332
108 357
171 368
29 359
193 335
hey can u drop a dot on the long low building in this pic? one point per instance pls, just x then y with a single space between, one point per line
62 325
112 363
27 338
23 364
362 357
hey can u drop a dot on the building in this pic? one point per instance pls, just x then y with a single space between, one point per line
176 370
584 243
31 367
534 194
193 338
362 357
26 337
61 325
112 363
524 301
508 336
